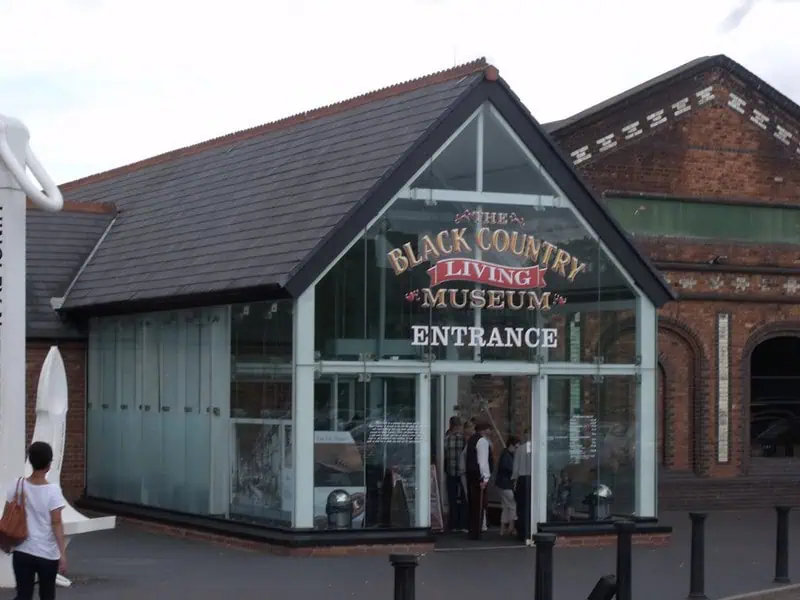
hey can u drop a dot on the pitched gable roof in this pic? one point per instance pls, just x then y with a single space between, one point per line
57 244
271 209
495 90
242 211
628 117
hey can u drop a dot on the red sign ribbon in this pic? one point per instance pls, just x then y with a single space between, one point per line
478 271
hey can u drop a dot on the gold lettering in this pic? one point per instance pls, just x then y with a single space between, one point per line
412 258
500 240
428 249
532 248
561 261
548 252
495 299
480 241
514 237
535 301
429 300
464 297
459 241
510 300
477 299
575 268
440 240
502 218
397 260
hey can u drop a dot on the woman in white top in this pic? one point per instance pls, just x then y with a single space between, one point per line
42 555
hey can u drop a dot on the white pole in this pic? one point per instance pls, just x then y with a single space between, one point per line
15 155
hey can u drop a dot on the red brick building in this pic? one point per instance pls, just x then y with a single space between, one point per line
700 165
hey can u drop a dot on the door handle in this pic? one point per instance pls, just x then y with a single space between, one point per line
215 411
165 409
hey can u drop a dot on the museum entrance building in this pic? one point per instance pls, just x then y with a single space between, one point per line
462 269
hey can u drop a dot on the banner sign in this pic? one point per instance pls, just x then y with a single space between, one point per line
516 288
455 257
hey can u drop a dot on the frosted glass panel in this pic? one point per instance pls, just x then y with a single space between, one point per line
198 419
109 433
173 420
130 421
94 415
156 384
153 481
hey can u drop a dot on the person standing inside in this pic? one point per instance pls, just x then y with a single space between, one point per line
521 478
43 553
504 482
469 431
478 475
453 446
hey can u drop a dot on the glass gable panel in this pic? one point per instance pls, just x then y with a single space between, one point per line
479 276
456 167
506 167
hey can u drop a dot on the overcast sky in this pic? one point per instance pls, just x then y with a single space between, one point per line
102 83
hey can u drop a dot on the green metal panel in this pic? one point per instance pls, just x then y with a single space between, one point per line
706 220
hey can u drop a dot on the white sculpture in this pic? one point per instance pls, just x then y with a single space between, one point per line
52 402
15 185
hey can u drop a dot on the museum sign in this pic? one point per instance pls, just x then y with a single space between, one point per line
455 257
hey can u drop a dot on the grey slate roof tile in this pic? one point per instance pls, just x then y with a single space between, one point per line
57 245
247 213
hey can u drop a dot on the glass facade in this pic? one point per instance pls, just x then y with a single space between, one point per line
591 443
191 411
158 392
262 483
365 442
478 292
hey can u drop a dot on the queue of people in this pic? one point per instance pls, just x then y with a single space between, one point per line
470 466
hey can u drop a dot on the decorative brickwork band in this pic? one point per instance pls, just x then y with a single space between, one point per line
723 387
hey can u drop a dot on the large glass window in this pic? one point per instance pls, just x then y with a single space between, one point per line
366 441
479 260
775 399
158 396
710 220
262 486
455 166
459 281
591 449
442 275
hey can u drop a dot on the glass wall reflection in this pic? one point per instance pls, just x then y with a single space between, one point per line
456 281
262 484
366 441
591 448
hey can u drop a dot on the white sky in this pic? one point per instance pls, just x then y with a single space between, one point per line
102 83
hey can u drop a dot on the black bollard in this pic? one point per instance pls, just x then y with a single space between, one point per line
543 588
404 567
782 545
625 531
697 573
